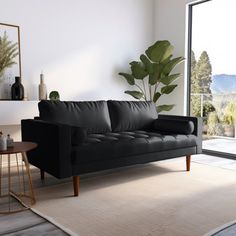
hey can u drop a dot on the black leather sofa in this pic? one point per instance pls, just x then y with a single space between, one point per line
81 137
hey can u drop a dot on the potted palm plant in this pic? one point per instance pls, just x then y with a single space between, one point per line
229 119
152 76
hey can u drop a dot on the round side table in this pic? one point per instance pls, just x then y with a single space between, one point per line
15 178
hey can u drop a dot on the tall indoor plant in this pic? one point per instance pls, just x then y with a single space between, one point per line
152 74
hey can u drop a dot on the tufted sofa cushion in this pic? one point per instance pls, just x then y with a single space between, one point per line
122 144
131 115
93 115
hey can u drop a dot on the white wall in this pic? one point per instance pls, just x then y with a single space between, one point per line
13 130
169 23
80 45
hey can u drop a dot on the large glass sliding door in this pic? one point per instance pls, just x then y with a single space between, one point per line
212 72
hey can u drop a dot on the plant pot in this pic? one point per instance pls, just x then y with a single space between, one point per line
205 128
229 130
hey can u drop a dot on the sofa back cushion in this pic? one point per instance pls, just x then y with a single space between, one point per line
132 115
92 115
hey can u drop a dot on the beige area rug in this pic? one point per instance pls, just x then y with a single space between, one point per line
160 199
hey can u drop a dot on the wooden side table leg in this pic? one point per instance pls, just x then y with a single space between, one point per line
24 156
9 182
21 184
23 173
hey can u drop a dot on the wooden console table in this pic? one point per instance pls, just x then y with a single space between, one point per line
18 188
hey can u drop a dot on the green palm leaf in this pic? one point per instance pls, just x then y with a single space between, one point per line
168 89
135 94
164 108
138 70
160 51
129 78
156 97
171 65
169 79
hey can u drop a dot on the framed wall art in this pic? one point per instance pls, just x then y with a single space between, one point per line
10 58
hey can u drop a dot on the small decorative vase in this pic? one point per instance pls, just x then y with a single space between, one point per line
17 90
42 88
10 141
3 143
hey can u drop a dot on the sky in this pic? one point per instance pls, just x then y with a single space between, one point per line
214 30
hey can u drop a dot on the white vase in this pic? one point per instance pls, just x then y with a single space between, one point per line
42 88
3 143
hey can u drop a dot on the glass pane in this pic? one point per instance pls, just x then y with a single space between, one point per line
213 72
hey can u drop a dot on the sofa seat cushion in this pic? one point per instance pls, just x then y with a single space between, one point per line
122 144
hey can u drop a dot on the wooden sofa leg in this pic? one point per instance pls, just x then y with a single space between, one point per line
76 180
188 161
42 174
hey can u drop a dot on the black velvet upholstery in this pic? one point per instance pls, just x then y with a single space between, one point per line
76 137
93 115
197 121
174 126
131 115
54 146
89 167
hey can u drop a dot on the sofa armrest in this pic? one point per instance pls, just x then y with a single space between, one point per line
197 121
53 153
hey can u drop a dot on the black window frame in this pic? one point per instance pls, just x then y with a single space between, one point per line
189 48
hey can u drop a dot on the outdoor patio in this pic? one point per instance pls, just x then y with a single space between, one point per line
221 144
